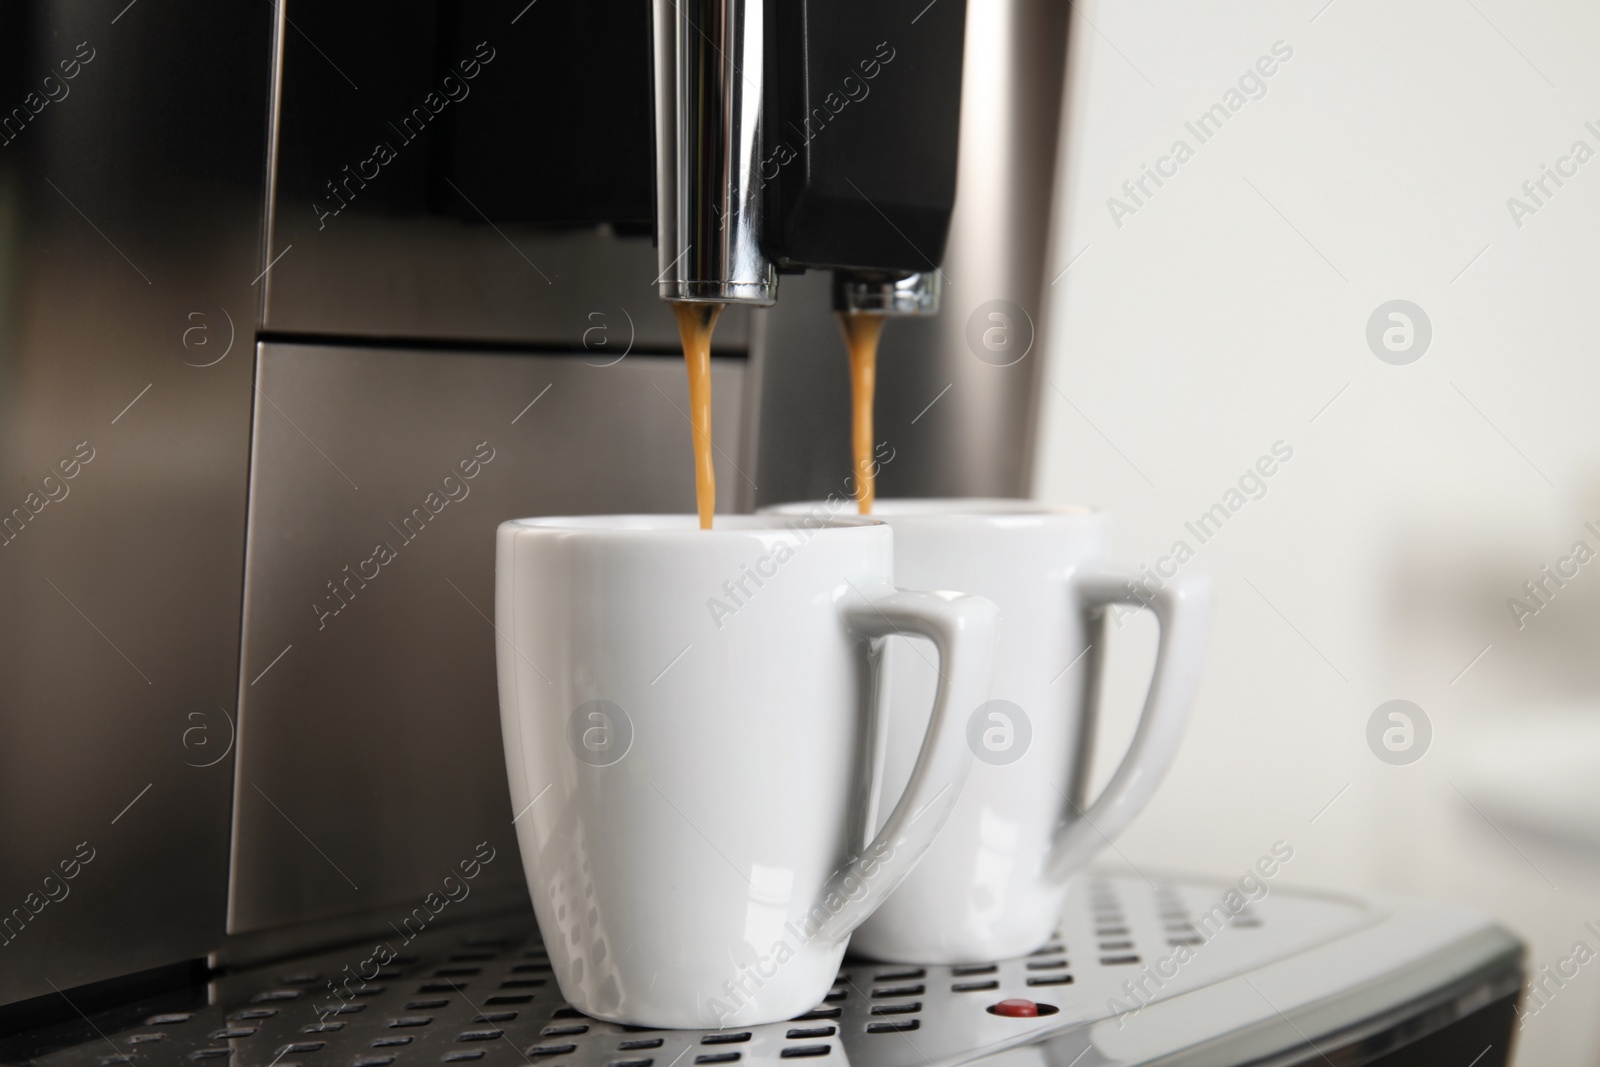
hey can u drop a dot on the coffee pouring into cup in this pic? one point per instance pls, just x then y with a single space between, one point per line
692 770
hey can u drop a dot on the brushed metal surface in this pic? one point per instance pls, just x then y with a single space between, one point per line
389 261
370 759
958 414
437 278
131 183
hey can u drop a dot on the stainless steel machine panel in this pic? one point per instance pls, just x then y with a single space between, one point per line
409 138
132 163
369 757
451 280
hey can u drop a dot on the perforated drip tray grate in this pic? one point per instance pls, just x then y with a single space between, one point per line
488 996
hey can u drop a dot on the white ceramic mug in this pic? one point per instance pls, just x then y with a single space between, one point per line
994 884
689 719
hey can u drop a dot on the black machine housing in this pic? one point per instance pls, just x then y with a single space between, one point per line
861 127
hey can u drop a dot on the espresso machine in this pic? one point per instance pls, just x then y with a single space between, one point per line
297 302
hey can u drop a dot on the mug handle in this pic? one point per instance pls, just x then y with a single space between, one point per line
962 629
1182 607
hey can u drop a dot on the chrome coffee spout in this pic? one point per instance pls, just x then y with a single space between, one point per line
708 81
886 294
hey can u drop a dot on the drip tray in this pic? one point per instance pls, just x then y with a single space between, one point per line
1140 970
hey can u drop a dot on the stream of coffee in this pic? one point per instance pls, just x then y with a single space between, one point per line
696 321
862 331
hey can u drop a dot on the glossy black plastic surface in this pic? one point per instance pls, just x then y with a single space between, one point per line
859 148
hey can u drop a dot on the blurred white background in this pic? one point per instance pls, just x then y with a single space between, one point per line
1228 312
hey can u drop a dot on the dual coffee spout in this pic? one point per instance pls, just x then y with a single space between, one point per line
805 134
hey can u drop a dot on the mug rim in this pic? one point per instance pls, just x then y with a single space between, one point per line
975 509
665 525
